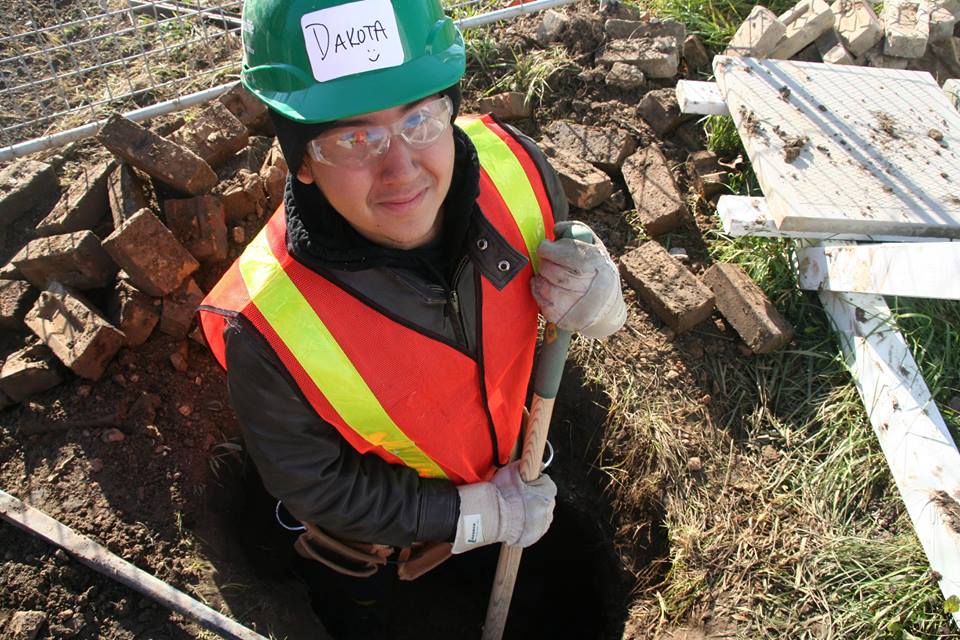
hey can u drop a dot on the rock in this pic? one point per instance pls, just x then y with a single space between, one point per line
694 465
242 197
200 225
512 105
153 259
76 333
21 185
656 57
133 312
179 357
758 35
112 435
161 158
625 77
654 192
215 135
25 625
16 298
238 235
27 372
551 25
694 53
74 259
604 148
674 294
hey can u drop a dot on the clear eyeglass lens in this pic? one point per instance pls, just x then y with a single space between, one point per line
356 147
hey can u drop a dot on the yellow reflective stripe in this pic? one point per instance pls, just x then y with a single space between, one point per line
317 351
501 164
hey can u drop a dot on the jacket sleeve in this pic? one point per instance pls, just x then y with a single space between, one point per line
320 478
558 199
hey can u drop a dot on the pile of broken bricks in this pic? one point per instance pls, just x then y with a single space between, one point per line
908 34
591 161
175 201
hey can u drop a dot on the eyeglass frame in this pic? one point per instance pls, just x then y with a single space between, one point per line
394 129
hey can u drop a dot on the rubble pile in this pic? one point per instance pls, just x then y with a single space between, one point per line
91 283
916 35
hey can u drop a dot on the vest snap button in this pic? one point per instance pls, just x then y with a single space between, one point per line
482 244
503 265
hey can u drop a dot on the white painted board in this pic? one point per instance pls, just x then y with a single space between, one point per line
918 270
702 98
919 450
847 149
750 216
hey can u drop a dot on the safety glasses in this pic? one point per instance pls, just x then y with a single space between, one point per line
360 146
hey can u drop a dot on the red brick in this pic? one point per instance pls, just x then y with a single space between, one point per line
154 260
584 185
604 148
251 158
83 205
74 331
198 223
747 309
707 175
250 111
16 298
661 111
655 195
161 158
243 196
214 135
133 312
128 191
72 259
273 172
21 185
179 309
29 371
667 287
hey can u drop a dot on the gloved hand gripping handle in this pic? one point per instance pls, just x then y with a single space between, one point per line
546 382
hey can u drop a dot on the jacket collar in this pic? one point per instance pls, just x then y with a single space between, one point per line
317 233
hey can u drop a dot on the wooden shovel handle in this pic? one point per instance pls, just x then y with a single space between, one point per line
546 383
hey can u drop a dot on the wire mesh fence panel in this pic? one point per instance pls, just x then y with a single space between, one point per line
69 63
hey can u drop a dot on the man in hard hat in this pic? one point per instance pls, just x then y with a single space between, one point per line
379 333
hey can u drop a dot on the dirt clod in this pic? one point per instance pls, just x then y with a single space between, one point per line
694 464
886 123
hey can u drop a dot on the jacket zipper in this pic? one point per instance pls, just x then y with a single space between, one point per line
453 306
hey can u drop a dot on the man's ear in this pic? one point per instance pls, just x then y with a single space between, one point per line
304 174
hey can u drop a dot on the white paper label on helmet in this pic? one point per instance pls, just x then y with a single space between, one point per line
352 38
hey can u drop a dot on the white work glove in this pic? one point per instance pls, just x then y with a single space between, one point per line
578 286
507 509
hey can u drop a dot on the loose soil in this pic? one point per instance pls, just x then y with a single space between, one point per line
170 495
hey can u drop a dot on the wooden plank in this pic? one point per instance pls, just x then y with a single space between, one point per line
847 149
701 97
750 216
101 560
922 456
918 270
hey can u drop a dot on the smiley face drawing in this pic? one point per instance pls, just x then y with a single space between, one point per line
370 52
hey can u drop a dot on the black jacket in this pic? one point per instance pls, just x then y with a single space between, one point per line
302 459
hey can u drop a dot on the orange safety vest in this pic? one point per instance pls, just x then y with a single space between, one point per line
388 389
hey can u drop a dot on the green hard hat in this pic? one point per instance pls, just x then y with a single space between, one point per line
322 60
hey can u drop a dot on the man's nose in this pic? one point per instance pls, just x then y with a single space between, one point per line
399 162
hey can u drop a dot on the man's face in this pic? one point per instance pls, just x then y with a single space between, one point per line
394 200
